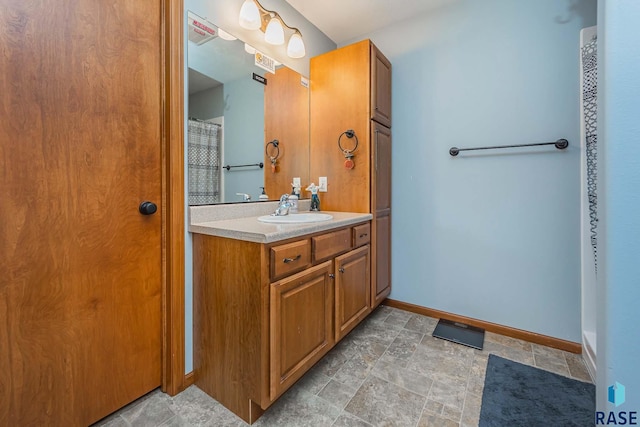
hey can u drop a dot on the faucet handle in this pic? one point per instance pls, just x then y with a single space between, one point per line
284 198
245 197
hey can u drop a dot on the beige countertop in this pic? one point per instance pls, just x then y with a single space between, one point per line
252 230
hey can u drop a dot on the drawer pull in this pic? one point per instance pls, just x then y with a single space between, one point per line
363 235
341 270
288 260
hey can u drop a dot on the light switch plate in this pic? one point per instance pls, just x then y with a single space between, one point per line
296 181
322 183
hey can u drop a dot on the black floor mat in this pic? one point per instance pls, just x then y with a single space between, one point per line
459 333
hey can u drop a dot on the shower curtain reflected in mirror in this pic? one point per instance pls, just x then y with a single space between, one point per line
204 162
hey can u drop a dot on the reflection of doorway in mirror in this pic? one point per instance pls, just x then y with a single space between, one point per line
220 121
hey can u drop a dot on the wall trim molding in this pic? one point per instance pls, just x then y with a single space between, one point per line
508 331
173 268
189 379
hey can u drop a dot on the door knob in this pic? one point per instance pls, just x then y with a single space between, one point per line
147 208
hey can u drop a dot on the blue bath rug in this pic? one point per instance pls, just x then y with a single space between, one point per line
521 395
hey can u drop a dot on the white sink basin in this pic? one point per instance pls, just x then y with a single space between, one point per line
296 218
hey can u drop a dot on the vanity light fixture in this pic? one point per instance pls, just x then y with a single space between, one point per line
224 35
249 49
253 16
250 16
274 34
295 48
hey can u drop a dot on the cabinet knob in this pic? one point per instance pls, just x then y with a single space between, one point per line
341 270
332 276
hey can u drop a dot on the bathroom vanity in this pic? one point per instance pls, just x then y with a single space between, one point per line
271 299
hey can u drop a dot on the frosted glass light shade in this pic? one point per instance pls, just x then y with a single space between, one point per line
295 48
274 34
250 16
249 49
224 35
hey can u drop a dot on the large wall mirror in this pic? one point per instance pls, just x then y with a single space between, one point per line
233 119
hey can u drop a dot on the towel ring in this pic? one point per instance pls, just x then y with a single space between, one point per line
348 154
274 158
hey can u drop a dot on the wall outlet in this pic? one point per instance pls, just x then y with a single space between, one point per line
322 183
296 182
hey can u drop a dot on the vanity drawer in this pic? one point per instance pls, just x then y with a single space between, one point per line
290 258
361 235
330 244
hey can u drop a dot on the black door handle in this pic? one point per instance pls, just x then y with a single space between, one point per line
147 208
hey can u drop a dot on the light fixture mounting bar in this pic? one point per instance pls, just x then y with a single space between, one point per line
266 15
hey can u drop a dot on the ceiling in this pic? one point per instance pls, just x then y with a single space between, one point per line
345 20
199 82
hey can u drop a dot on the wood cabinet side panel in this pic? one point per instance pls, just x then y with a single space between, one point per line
340 93
228 321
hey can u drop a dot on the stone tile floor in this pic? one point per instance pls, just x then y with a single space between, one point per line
389 371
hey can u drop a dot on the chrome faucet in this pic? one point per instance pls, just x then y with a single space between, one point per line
245 197
283 206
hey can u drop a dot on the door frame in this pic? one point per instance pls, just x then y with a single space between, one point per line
173 217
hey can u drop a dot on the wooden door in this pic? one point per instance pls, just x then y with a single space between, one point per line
80 148
301 324
381 182
380 87
353 290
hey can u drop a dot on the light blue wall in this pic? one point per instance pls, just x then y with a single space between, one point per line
207 104
492 235
243 137
619 201
225 14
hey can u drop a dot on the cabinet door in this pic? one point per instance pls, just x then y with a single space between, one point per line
381 137
380 87
381 284
301 308
353 290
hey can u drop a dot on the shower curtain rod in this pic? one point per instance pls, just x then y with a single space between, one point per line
560 144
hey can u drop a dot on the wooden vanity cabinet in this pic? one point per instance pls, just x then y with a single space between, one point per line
351 90
353 290
301 308
264 314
